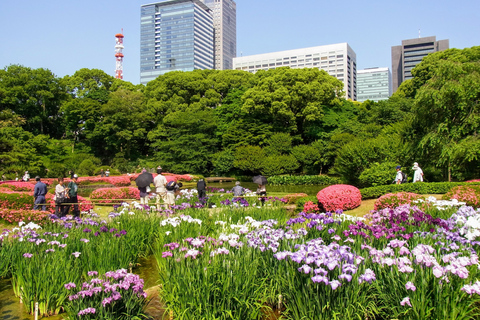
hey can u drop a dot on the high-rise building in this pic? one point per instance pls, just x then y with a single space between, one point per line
338 60
175 35
225 26
411 53
374 84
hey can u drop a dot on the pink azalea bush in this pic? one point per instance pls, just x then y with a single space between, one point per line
18 186
468 194
107 194
15 216
339 197
310 207
393 200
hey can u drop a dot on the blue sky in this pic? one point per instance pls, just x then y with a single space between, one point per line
65 35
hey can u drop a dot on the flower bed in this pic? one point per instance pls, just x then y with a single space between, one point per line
339 197
468 194
107 194
18 186
393 200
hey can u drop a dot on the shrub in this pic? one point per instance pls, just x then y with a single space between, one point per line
418 188
393 200
19 186
16 201
378 174
17 215
87 167
107 194
339 197
310 207
293 198
468 194
303 180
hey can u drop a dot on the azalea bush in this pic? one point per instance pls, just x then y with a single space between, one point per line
105 195
339 197
17 215
18 186
393 200
470 194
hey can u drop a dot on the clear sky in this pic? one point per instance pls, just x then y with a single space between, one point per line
67 35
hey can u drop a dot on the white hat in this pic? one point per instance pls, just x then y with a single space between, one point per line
75 175
415 163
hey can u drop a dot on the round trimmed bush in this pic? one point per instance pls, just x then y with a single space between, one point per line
393 200
339 197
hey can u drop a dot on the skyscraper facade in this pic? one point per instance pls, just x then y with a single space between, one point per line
374 84
338 60
225 27
175 35
411 53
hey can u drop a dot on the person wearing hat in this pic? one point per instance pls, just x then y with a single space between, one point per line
238 190
39 193
399 176
72 195
418 173
160 182
26 176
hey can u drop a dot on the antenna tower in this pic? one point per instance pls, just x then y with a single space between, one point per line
119 55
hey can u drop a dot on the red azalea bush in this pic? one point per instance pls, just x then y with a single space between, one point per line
107 194
339 197
16 201
393 200
310 207
468 194
169 176
14 216
18 186
293 197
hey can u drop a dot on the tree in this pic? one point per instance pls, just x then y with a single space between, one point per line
33 94
447 109
291 98
250 159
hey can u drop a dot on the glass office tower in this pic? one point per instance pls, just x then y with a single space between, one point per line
175 35
374 84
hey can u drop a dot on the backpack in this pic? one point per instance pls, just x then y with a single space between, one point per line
170 186
404 177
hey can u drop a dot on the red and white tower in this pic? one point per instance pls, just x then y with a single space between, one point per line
119 55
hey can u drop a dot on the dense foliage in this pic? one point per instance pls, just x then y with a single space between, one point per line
276 122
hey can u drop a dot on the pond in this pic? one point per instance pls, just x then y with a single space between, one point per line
311 190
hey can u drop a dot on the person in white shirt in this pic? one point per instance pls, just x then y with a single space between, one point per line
399 176
160 182
418 173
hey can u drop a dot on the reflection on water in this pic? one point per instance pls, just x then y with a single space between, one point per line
309 189
10 306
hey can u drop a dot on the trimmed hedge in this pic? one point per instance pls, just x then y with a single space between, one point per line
418 188
303 180
16 201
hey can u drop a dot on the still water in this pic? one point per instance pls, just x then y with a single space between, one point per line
309 189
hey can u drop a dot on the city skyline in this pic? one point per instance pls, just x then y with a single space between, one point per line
65 37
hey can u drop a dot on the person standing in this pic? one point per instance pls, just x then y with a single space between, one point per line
399 176
160 182
172 187
39 193
201 189
102 173
262 192
238 190
143 182
418 173
59 198
16 176
72 195
107 173
26 176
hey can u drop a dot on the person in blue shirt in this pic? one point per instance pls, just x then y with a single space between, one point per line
39 193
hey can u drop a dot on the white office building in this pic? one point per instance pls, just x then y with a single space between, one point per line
374 84
338 60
